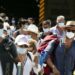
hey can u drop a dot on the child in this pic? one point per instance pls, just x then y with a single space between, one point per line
32 50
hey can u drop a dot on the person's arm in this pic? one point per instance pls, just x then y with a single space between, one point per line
52 66
13 52
49 49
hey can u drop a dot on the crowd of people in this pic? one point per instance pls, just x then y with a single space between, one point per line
28 49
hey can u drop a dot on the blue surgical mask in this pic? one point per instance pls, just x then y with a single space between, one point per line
21 50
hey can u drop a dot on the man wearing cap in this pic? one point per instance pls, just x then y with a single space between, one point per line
25 60
70 26
64 58
33 31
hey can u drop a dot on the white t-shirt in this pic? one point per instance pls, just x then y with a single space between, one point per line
27 67
37 69
54 30
59 34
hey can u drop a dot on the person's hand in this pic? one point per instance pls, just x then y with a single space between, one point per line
56 71
22 58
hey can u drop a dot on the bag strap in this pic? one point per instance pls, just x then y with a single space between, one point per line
29 56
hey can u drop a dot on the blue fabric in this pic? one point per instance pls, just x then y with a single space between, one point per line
65 60
42 57
45 53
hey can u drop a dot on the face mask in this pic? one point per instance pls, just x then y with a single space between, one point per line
46 30
29 36
21 50
61 24
69 35
1 32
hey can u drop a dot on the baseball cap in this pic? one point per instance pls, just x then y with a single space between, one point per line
21 40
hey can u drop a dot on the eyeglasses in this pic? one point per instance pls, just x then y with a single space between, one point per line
23 46
70 30
30 46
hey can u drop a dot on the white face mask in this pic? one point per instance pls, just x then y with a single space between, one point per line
29 36
70 35
21 50
1 32
46 30
61 24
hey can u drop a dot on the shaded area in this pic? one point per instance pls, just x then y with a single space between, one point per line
20 8
53 8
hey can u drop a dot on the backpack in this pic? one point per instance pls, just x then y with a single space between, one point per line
45 42
51 41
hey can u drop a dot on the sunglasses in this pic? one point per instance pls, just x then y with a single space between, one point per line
23 46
